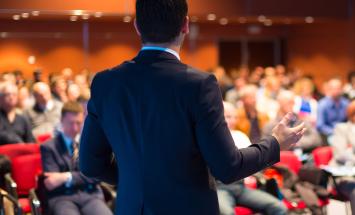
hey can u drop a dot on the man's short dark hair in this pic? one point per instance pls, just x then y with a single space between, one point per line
72 107
160 21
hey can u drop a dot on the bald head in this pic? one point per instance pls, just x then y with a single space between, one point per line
334 88
286 100
42 93
230 115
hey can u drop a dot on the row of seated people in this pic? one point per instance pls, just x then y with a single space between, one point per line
322 110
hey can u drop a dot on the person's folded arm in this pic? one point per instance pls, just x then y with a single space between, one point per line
95 152
226 162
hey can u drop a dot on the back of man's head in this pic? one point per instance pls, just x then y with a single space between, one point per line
160 21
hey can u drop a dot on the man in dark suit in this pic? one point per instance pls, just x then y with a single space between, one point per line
69 191
164 122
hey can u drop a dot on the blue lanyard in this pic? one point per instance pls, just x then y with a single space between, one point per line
157 48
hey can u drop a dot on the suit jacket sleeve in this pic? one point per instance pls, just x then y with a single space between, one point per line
225 161
95 154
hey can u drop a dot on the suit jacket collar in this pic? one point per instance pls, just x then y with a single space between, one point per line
151 56
63 151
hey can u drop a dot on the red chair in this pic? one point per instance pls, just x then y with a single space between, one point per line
243 211
290 160
18 149
322 155
25 169
43 138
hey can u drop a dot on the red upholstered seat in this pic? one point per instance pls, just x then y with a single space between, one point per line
43 138
290 160
322 155
18 149
25 170
242 211
25 205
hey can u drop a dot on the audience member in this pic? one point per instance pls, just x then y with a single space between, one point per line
59 89
25 99
331 109
236 193
250 121
14 128
233 95
266 96
311 139
73 92
69 191
45 114
344 153
305 105
224 82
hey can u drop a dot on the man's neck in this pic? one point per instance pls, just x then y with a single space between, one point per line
172 46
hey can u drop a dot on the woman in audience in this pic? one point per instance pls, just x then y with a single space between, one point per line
305 105
344 153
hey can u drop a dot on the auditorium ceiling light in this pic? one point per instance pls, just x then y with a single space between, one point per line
85 16
268 22
3 34
211 17
98 14
73 18
309 19
223 21
242 20
262 18
31 59
77 12
127 19
16 17
25 15
35 13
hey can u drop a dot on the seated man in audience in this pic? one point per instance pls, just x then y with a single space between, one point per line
14 128
69 192
344 153
331 109
250 121
45 114
311 138
236 193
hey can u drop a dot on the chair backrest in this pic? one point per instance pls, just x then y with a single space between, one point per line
43 138
290 160
19 149
322 155
25 169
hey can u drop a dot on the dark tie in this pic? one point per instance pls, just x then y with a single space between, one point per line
75 154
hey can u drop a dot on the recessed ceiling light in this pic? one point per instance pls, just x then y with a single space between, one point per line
127 19
268 22
31 59
35 13
16 17
73 18
98 14
309 19
25 15
85 16
261 18
223 21
77 12
242 20
211 17
3 34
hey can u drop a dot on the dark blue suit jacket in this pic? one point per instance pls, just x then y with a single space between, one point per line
56 158
164 122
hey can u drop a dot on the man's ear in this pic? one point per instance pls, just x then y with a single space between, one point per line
136 27
186 26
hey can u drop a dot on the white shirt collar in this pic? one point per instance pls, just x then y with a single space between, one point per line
157 48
